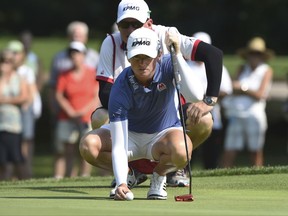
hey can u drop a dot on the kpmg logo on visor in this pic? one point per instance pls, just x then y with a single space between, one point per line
131 7
141 42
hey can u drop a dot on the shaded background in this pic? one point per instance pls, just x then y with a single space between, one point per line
230 23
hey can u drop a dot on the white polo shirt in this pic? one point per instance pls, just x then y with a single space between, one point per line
113 58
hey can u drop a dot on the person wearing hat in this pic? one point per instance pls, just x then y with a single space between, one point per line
31 109
132 15
77 95
76 31
245 108
143 115
13 94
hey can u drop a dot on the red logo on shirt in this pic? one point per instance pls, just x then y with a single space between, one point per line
161 87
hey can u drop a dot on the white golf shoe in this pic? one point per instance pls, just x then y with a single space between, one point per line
157 187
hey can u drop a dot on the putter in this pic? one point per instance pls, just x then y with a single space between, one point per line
186 197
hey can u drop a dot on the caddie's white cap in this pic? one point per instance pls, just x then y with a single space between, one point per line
143 41
137 9
203 36
78 46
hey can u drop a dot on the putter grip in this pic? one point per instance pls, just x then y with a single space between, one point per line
175 66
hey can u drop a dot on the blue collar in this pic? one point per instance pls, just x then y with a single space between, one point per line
136 86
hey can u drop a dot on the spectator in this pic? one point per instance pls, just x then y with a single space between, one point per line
77 95
76 31
29 114
32 59
285 110
212 147
245 109
13 93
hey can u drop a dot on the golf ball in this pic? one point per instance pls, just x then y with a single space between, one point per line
129 196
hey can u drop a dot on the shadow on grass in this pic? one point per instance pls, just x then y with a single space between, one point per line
68 189
65 189
57 197
66 198
76 187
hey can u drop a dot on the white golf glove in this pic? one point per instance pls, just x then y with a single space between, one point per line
172 37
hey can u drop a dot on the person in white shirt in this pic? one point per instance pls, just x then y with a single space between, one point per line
245 109
28 113
210 150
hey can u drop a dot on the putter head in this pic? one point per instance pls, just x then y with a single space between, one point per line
184 198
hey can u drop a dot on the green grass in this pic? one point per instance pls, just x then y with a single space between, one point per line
43 164
241 191
279 65
46 47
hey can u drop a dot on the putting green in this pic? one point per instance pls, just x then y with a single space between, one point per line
262 193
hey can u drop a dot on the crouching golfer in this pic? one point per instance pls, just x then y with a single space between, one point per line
144 120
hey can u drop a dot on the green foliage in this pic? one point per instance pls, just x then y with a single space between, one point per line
46 48
278 63
242 171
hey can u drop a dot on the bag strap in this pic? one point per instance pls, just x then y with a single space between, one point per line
114 53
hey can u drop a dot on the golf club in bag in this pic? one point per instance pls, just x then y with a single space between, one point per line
177 78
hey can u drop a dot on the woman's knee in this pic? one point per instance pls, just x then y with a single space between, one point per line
181 161
180 155
87 143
